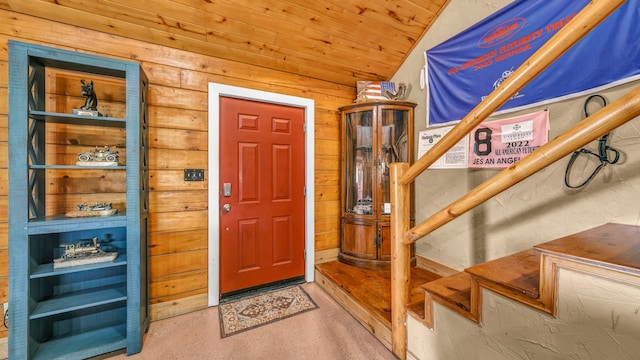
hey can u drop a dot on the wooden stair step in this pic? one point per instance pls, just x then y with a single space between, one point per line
515 276
612 246
519 272
452 291
611 250
371 289
417 308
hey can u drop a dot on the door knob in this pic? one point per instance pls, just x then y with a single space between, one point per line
226 207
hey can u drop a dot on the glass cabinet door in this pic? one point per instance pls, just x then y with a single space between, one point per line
359 163
393 148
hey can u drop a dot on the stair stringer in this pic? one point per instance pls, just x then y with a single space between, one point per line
544 332
549 277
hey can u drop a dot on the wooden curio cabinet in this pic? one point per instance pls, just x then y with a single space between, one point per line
374 135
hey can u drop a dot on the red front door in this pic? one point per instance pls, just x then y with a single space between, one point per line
261 193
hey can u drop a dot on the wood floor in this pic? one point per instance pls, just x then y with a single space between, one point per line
366 294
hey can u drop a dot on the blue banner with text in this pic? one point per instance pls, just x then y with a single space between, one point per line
468 67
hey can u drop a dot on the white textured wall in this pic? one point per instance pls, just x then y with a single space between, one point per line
597 319
536 210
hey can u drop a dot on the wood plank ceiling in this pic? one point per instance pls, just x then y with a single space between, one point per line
340 41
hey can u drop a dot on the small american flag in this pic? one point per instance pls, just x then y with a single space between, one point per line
374 90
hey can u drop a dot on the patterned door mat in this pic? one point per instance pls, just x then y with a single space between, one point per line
251 312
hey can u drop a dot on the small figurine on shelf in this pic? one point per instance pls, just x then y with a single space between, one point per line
98 209
83 254
99 157
90 106
364 207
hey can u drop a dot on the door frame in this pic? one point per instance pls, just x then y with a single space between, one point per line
220 90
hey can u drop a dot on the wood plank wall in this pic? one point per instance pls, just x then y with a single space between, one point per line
178 140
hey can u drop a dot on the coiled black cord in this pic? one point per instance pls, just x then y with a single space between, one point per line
604 151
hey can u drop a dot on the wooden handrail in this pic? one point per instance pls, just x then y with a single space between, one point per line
605 120
587 19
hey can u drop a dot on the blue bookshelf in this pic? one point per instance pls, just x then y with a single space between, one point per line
81 311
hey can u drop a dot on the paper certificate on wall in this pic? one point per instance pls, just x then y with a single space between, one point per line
455 158
501 143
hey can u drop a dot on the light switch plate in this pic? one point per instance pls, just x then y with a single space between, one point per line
193 174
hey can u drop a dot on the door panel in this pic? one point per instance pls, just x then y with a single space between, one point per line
248 259
248 155
262 158
282 230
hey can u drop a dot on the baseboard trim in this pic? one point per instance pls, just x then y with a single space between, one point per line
435 267
326 255
171 308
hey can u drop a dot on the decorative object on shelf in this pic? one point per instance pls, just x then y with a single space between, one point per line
90 107
84 210
99 157
396 95
83 254
364 207
379 90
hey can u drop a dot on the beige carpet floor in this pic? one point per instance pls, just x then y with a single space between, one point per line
328 332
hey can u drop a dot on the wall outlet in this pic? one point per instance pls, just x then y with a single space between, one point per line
5 307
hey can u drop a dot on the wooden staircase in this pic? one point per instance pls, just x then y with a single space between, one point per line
611 251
